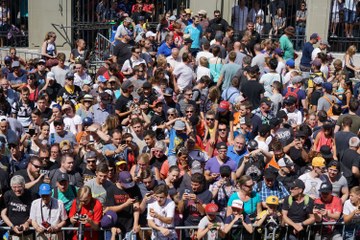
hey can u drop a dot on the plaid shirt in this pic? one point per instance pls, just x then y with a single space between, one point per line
221 199
278 190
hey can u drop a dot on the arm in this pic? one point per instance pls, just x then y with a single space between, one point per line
345 193
347 218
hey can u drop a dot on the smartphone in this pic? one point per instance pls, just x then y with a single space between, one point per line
319 206
31 131
187 191
45 172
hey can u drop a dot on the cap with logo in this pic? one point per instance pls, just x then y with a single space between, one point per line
298 183
273 200
109 219
63 177
125 180
224 106
44 189
221 145
237 203
285 162
211 208
326 187
318 162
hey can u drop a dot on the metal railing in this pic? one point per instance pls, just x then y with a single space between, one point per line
25 54
311 230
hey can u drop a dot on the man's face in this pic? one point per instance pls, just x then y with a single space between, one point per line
14 149
269 182
149 141
117 139
326 196
222 131
196 21
5 84
101 177
210 120
59 128
239 144
250 27
161 198
222 154
137 128
44 157
295 191
34 168
333 172
41 67
63 185
41 104
354 198
54 152
242 111
25 96
68 164
196 187
217 15
188 95
148 182
18 189
91 164
279 154
3 126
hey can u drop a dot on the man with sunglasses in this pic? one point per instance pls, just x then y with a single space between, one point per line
17 77
134 60
61 134
32 176
69 91
218 24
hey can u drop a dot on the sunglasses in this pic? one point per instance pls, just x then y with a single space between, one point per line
210 119
222 130
189 111
36 166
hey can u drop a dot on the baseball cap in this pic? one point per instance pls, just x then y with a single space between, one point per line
224 106
298 183
168 92
202 12
324 42
90 155
87 121
315 36
211 208
252 145
269 174
333 164
147 85
221 145
266 100
279 51
318 80
15 64
64 143
126 85
109 219
44 189
7 60
316 62
188 40
118 163
325 151
150 34
188 11
126 180
325 188
88 97
69 75
172 18
196 167
101 79
318 162
297 79
3 119
273 200
62 177
275 122
237 203
179 125
285 162
327 86
128 19
290 100
290 63
50 75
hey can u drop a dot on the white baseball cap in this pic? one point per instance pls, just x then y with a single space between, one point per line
150 34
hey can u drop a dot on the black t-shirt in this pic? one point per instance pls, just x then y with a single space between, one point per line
116 197
34 189
64 95
18 208
298 212
40 78
121 104
295 155
349 159
287 180
53 90
158 120
122 51
191 214
342 142
254 167
314 98
252 90
86 173
46 115
157 162
284 135
225 118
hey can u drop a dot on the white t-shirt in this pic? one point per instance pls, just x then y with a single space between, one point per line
312 185
205 54
348 208
315 53
168 211
184 76
70 124
212 234
294 117
202 71
267 80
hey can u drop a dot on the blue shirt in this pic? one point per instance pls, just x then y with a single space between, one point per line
231 153
277 190
175 140
100 115
306 54
164 50
195 35
17 80
249 205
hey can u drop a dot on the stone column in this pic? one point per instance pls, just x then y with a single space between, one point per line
318 18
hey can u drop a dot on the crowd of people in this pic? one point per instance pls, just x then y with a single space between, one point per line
185 126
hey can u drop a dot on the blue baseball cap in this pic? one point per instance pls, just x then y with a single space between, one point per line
101 78
44 189
290 63
327 86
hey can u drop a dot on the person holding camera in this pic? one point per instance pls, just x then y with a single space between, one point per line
85 212
327 208
16 213
47 215
211 226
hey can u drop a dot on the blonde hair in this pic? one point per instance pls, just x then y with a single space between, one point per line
351 50
49 35
84 192
204 62
145 157
355 190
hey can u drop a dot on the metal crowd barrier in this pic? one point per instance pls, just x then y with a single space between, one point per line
145 231
25 54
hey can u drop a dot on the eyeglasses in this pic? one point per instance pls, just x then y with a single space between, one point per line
45 158
189 111
171 114
137 52
188 94
216 15
36 166
222 130
249 186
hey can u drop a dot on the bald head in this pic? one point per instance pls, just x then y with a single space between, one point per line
175 52
237 46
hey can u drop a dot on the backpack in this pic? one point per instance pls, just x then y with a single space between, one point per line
293 92
330 111
306 200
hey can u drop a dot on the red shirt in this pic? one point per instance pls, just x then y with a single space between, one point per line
94 212
334 206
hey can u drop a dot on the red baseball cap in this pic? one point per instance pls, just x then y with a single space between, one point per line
211 208
224 106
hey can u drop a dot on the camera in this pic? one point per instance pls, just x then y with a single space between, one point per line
45 224
79 217
45 172
20 228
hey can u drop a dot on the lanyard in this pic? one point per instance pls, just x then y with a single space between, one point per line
41 208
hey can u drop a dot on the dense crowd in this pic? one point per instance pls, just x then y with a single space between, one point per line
184 126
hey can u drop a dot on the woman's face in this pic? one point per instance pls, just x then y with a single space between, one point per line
247 187
158 153
82 44
141 163
45 130
183 160
173 176
312 121
35 118
279 11
171 116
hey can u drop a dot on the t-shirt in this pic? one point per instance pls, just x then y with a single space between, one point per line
213 165
118 197
350 159
66 197
121 104
212 233
195 35
267 80
184 76
122 51
306 54
34 189
355 126
298 212
249 205
348 208
168 211
312 185
99 191
18 208
252 90
342 142
228 71
191 214
287 46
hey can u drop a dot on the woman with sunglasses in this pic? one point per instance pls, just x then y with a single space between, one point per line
34 90
250 198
